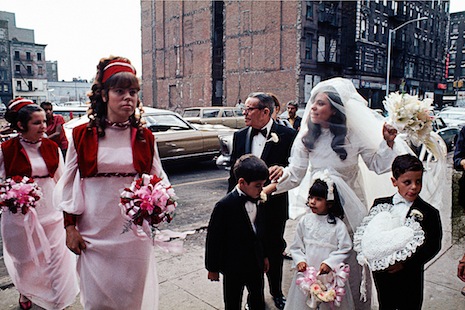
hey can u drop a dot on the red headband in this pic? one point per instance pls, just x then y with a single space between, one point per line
18 103
116 66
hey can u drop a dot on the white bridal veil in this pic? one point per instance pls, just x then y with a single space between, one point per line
364 126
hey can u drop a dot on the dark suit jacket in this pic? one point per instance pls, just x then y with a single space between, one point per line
410 279
232 246
275 210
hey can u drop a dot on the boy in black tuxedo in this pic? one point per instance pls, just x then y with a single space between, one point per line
272 143
234 239
400 286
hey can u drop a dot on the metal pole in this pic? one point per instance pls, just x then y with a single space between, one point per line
391 31
388 70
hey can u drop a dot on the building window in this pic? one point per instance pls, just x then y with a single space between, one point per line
452 57
308 46
309 10
29 70
29 85
40 70
455 28
39 56
321 48
18 85
6 88
363 29
28 55
17 69
16 55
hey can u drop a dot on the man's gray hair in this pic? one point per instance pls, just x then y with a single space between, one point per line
266 101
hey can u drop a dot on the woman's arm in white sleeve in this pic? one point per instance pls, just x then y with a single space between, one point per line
63 192
61 164
157 167
295 172
378 160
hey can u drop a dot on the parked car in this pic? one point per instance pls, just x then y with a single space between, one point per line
71 111
177 139
2 109
448 134
453 117
227 116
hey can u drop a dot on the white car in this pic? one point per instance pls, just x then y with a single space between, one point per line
453 117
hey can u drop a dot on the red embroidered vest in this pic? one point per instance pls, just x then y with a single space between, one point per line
86 144
17 162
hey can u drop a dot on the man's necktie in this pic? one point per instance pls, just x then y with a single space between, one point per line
255 132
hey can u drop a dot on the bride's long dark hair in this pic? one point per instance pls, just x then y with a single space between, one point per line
337 126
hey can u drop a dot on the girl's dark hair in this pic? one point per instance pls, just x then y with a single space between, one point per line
337 125
23 116
98 108
320 189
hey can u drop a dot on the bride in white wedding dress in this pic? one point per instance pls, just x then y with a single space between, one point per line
340 133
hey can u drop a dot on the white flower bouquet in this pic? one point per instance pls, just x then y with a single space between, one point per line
410 115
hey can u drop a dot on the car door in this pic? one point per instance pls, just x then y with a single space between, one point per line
176 139
228 119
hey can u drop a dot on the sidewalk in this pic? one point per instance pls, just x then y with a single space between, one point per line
184 284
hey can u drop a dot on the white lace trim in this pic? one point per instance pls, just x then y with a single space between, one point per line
415 236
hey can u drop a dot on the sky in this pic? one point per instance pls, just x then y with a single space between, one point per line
80 32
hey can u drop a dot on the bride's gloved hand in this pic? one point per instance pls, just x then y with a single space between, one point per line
389 134
275 173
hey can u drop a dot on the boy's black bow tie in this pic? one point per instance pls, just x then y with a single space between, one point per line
248 198
255 132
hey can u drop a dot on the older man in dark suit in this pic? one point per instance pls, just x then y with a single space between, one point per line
271 142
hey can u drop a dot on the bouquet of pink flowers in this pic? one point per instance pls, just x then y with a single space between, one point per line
19 193
147 203
327 288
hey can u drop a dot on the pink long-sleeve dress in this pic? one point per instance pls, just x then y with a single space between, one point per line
44 273
117 270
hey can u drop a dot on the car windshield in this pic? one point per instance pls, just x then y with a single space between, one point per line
459 116
207 113
191 113
165 122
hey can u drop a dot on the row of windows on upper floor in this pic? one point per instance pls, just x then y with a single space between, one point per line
327 48
29 71
17 56
5 88
399 7
29 85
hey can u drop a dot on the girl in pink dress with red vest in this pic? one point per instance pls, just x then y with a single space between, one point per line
116 270
38 262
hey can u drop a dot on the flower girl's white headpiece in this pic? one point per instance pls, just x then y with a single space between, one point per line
324 176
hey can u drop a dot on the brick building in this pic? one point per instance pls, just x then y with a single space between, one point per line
203 53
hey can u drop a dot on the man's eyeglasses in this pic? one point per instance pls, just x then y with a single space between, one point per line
248 109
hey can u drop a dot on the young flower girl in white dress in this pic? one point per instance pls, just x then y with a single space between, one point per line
321 242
